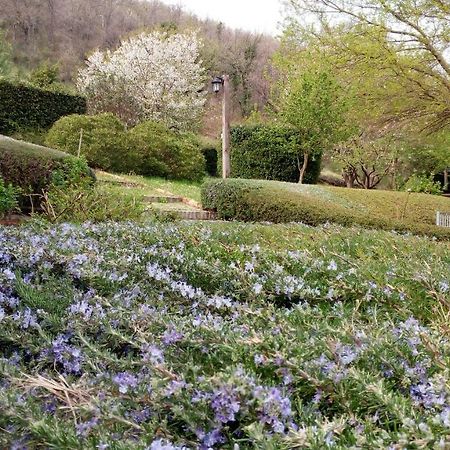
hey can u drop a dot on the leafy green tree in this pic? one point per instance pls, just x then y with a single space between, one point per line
45 76
313 104
404 41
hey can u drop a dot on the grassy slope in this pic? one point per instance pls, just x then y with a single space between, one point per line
141 186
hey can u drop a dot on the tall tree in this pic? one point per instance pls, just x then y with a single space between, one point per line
150 76
311 103
412 38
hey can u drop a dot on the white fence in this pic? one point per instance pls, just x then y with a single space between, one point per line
443 219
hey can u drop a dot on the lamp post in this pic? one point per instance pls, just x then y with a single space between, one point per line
218 83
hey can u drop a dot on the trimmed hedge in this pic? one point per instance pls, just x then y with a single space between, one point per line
269 152
33 168
27 107
266 201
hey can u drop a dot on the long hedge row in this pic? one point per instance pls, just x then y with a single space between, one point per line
266 201
25 107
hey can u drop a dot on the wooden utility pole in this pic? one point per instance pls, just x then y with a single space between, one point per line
226 136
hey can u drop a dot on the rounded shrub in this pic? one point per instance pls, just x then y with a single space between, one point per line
270 152
166 153
104 143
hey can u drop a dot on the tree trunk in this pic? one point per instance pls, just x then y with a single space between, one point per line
446 180
349 177
303 168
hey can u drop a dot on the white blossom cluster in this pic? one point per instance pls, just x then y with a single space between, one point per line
149 76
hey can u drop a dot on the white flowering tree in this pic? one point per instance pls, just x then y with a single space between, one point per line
150 76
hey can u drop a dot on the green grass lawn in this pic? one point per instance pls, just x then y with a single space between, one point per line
154 186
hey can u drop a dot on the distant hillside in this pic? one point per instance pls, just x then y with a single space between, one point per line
65 31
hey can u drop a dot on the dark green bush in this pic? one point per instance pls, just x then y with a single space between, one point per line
104 142
211 150
269 153
34 168
166 153
265 201
25 107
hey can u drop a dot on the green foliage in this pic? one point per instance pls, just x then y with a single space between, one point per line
276 202
166 153
210 150
34 168
82 201
9 198
423 183
46 76
149 149
314 106
270 152
103 143
24 107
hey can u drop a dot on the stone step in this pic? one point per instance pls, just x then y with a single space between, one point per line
162 199
195 215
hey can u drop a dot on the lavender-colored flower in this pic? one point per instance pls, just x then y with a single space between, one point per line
225 404
445 416
161 444
84 428
171 336
174 387
26 318
153 354
332 266
257 288
69 356
125 381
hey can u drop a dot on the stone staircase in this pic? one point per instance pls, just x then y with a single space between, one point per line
181 207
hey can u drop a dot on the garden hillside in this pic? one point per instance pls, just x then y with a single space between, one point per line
251 200
222 336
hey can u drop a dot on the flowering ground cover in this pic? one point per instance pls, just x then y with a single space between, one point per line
170 336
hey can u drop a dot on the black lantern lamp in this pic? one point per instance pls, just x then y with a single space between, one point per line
217 83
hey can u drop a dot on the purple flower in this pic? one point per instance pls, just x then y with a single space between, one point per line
171 336
174 387
69 356
125 381
161 444
83 428
153 354
225 404
26 319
